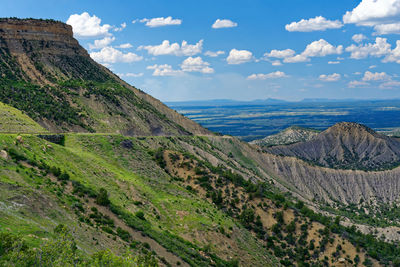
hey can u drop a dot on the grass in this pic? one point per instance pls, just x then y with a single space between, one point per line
134 183
14 121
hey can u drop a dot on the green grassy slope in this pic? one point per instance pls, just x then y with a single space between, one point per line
14 121
156 209
174 217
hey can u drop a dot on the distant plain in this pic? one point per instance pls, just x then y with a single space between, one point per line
252 120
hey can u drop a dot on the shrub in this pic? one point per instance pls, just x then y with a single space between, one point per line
102 197
124 235
140 215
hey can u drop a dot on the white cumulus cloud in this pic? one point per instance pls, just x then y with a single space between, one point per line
296 59
393 55
272 75
239 56
214 53
373 12
354 84
358 38
377 49
166 48
98 44
111 55
196 64
280 53
318 23
121 28
130 74
383 15
84 25
390 28
125 46
164 70
160 22
375 76
383 78
223 23
330 77
390 85
320 48
276 63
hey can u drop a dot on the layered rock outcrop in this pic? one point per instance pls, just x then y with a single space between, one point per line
22 36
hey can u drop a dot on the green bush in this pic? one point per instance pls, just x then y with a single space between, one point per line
140 215
102 197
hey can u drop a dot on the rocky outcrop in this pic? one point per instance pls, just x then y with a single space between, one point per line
346 186
50 36
291 135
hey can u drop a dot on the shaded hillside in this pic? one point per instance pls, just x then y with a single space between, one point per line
346 146
291 135
14 121
49 76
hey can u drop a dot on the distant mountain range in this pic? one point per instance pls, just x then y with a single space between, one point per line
268 101
224 102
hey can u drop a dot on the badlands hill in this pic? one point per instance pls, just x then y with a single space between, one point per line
346 146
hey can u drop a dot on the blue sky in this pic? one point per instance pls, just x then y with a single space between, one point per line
267 49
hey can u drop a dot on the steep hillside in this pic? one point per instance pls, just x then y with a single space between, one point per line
291 135
49 76
146 204
178 199
14 121
346 146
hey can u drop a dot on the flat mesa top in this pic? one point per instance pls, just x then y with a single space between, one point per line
8 25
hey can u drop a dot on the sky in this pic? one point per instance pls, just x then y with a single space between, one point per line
240 50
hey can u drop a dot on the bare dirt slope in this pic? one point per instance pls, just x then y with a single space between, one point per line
346 146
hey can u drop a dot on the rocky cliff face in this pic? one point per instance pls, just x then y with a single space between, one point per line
17 32
48 75
345 186
347 146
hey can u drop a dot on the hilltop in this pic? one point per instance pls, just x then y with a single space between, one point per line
290 135
50 77
346 145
